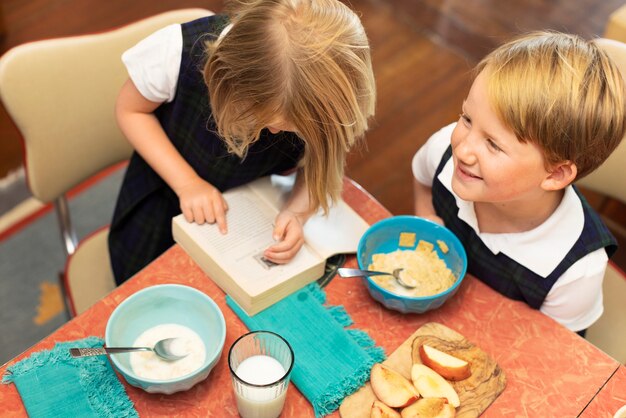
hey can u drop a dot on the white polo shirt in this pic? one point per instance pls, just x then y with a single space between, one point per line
575 300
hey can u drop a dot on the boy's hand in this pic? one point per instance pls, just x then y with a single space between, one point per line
423 200
433 218
201 202
290 236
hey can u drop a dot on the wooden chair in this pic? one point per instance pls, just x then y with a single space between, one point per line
609 332
60 93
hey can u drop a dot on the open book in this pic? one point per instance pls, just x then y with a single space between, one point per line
235 261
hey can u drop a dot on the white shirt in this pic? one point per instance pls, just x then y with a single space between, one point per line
153 64
575 300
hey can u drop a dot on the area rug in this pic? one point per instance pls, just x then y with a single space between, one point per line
32 256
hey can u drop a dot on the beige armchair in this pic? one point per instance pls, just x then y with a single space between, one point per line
609 332
60 94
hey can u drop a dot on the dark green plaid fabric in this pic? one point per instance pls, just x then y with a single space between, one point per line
501 272
141 226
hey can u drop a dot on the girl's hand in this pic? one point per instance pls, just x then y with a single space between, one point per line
201 202
290 236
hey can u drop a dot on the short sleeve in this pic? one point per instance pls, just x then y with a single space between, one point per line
153 64
427 158
575 300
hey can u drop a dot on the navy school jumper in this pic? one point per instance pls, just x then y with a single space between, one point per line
500 272
141 226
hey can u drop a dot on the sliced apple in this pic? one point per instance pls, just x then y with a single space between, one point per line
429 408
391 387
430 384
448 366
380 410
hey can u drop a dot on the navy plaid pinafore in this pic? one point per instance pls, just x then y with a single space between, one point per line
501 272
141 226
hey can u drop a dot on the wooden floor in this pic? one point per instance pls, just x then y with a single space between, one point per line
422 51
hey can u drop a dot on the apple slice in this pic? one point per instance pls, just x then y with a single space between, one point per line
380 410
448 366
429 408
391 387
430 384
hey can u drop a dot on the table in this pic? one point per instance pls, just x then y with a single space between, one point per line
610 398
551 371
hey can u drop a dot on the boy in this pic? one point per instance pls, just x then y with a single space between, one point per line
544 110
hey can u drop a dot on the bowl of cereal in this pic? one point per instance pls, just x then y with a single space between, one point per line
432 259
166 311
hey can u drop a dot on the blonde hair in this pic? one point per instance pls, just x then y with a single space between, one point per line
307 61
560 92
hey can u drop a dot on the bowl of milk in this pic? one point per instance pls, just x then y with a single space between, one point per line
166 311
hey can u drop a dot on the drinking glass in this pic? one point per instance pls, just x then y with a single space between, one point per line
260 365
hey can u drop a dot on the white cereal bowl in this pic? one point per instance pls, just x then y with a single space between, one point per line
166 304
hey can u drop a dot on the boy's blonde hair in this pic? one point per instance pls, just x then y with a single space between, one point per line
560 92
307 61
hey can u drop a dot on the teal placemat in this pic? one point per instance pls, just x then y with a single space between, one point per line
53 384
331 361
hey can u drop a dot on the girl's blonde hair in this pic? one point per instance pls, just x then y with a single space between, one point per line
560 92
307 61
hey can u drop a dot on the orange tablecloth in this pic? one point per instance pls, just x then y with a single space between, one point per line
551 372
612 396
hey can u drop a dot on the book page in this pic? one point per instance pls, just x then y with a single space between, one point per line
240 251
337 233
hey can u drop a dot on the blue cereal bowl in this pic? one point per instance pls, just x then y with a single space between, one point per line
383 237
166 304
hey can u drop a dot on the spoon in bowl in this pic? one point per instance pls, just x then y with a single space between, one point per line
163 349
345 272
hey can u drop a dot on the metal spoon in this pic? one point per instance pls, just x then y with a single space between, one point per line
345 272
162 349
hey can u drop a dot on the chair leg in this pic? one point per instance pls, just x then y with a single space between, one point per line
68 235
65 297
69 241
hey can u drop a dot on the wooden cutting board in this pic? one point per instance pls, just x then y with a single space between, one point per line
476 392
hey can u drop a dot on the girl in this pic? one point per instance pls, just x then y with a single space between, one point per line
220 101
543 111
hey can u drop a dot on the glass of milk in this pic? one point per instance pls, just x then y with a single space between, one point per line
260 364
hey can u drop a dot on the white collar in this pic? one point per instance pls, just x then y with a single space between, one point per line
540 249
226 29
